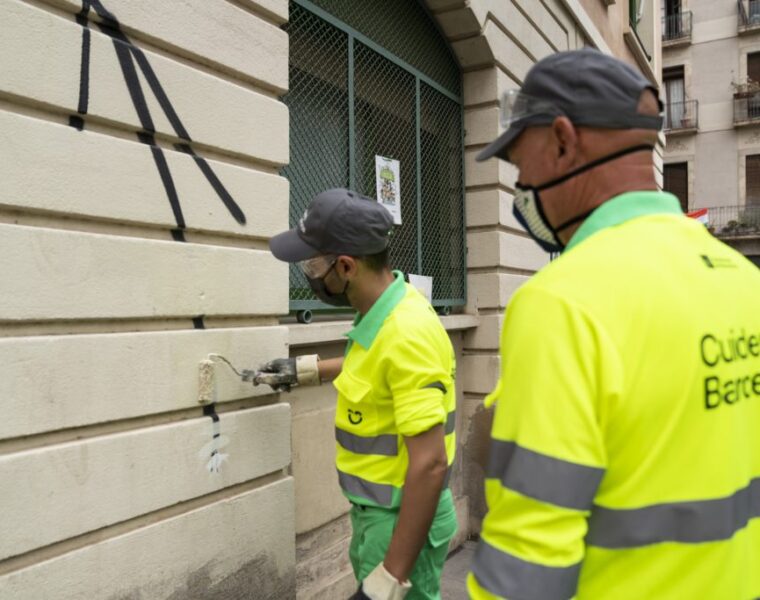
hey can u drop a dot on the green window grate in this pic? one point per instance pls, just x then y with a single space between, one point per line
379 81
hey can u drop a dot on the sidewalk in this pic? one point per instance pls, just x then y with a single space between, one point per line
455 573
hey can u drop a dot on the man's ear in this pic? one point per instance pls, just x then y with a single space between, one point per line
347 266
565 139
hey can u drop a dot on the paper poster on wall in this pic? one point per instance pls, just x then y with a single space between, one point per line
387 173
423 284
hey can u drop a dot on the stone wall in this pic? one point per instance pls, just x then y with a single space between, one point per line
141 143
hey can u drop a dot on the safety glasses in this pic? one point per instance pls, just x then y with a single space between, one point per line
516 106
317 267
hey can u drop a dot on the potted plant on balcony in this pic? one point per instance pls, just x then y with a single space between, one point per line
746 89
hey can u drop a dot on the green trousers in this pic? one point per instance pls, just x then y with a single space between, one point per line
372 531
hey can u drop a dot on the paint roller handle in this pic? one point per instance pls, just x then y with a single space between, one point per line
282 374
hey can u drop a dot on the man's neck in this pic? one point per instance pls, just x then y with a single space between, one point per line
601 189
372 289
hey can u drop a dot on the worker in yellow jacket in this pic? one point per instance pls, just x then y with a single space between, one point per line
395 414
625 454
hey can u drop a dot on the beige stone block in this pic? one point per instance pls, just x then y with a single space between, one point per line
481 125
97 176
276 9
60 382
222 550
488 335
439 5
491 172
68 275
506 52
463 519
459 23
476 442
500 249
486 85
545 22
213 32
319 499
72 488
248 123
558 9
490 207
308 400
480 86
51 60
342 585
493 290
323 561
512 19
473 52
480 373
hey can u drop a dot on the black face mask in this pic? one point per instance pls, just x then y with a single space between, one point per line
320 290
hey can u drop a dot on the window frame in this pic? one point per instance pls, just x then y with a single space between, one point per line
353 37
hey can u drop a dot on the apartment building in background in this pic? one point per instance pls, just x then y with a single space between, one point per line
711 81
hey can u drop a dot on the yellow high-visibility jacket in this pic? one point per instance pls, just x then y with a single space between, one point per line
398 379
625 459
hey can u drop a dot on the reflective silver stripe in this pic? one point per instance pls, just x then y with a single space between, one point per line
685 522
384 445
542 477
451 422
436 385
507 576
448 476
378 493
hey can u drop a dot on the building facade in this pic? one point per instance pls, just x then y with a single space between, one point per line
711 75
149 151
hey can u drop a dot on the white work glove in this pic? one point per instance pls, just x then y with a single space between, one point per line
381 585
283 373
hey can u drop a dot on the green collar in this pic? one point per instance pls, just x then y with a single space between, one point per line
366 327
622 208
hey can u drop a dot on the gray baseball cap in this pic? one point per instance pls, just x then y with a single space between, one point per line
338 221
590 88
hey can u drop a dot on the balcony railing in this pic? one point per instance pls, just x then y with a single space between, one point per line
749 15
676 29
681 116
746 108
734 221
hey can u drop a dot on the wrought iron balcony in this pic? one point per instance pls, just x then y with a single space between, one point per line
676 29
746 108
682 117
749 15
734 221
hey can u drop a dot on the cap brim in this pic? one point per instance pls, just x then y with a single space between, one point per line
289 247
500 143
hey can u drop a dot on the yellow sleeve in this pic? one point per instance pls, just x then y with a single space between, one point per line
559 371
418 377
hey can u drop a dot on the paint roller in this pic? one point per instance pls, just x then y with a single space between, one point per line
207 377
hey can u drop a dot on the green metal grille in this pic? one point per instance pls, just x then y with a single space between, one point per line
443 245
403 28
318 104
385 126
351 98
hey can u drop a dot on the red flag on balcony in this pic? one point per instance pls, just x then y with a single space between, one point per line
701 215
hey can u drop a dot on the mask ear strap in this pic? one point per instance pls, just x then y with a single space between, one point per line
574 220
595 163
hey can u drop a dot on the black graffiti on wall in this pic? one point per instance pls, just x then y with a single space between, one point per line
130 59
